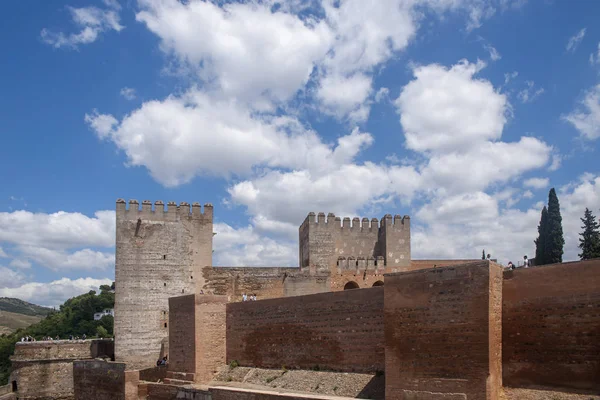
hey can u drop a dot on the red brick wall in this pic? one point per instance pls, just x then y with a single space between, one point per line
437 333
102 380
210 336
182 333
340 331
551 326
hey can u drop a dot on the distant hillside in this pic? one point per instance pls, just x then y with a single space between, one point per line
22 307
10 322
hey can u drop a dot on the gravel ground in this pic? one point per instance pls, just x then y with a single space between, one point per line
360 386
533 394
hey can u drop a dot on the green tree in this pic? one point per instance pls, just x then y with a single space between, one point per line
540 242
101 332
555 240
589 243
483 254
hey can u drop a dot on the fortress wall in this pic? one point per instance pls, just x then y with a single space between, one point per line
551 326
159 254
442 333
396 241
197 335
182 333
45 369
426 264
102 380
340 331
266 282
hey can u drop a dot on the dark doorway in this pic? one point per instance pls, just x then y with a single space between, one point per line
378 283
351 285
14 386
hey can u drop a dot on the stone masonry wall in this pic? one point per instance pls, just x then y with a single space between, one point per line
159 254
325 240
266 282
45 369
440 338
340 331
551 326
100 380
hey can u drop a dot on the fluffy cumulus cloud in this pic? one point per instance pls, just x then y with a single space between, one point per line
537 183
92 22
181 137
246 50
60 240
506 233
245 246
446 109
53 293
586 119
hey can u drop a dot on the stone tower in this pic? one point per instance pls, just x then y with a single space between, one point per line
159 254
324 241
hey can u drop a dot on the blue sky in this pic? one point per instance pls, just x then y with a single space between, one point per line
461 113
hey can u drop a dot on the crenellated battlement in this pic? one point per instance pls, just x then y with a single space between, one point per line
172 212
333 222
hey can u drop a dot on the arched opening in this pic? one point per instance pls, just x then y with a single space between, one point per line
14 386
351 285
378 283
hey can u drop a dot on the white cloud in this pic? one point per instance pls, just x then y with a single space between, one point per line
574 40
494 54
447 109
53 293
102 124
245 50
20 263
10 278
182 137
537 183
60 230
244 246
510 76
530 93
128 93
55 241
487 164
2 253
288 197
382 94
586 119
343 95
55 260
92 20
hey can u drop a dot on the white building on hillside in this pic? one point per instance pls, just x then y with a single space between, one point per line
106 311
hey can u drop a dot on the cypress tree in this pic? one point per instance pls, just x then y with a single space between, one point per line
540 242
555 240
483 254
589 243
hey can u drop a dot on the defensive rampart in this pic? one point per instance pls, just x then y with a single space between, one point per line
341 331
101 380
551 326
443 333
45 369
159 254
197 335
